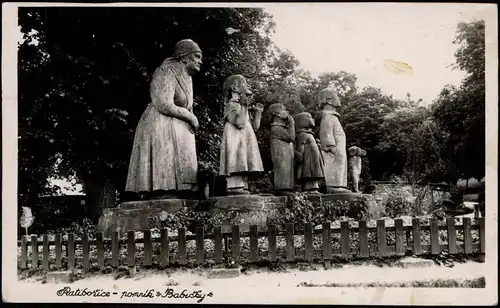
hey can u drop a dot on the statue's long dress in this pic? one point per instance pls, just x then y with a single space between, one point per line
332 133
312 166
282 155
239 153
164 152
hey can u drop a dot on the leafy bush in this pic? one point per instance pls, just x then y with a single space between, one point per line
301 210
402 200
262 185
186 219
398 204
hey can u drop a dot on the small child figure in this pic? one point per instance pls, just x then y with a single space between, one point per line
282 139
354 165
310 165
239 152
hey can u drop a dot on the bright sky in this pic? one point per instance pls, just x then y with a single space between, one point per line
358 38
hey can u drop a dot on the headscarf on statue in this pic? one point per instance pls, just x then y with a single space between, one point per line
182 48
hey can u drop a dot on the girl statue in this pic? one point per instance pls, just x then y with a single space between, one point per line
333 142
163 160
239 151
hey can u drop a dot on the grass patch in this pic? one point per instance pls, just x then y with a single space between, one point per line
435 283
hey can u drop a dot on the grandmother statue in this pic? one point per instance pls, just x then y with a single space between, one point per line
163 163
333 142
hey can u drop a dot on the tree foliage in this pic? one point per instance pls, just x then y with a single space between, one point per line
460 111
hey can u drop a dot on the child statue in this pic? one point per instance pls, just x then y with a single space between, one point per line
354 164
333 142
282 139
310 165
239 152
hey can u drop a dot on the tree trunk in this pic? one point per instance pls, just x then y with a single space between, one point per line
100 194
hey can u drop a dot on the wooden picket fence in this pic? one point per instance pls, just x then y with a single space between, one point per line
290 253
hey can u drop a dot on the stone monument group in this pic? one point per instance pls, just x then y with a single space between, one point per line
163 163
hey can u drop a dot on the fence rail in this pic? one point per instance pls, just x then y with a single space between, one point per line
111 246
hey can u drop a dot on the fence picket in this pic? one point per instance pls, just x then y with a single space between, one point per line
235 241
148 249
165 249
71 251
400 237
182 246
45 252
308 238
115 250
130 248
363 239
467 236
100 249
86 251
345 249
435 249
254 243
327 241
271 237
381 238
24 252
218 244
290 248
416 234
200 244
58 244
452 235
34 251
482 235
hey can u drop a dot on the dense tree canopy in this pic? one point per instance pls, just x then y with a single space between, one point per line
460 111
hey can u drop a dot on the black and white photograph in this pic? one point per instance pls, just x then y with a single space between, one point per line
250 153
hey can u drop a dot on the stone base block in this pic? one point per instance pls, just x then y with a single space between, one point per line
228 210
134 215
60 277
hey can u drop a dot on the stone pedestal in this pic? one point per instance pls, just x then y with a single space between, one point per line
135 215
243 210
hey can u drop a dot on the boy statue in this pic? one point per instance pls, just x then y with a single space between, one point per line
310 166
333 142
282 139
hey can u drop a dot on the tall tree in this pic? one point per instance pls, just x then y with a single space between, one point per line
363 119
398 136
460 111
